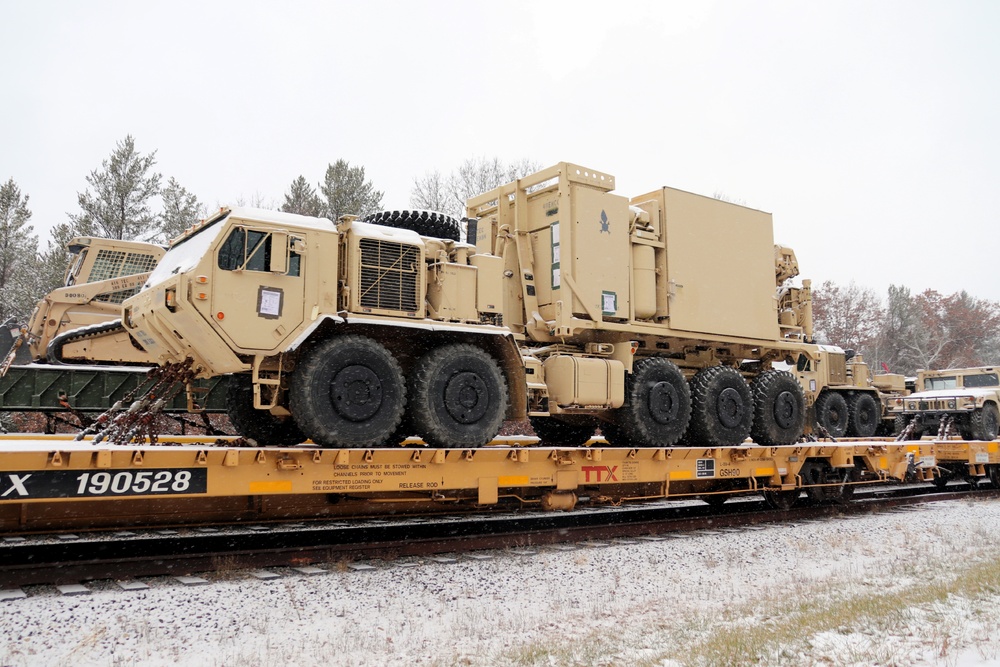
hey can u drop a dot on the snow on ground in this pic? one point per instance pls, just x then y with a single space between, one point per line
915 587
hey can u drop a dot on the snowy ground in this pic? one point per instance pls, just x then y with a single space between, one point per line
917 587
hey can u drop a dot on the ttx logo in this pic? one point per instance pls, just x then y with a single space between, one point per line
14 484
601 473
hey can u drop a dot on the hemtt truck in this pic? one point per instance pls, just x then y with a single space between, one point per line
659 319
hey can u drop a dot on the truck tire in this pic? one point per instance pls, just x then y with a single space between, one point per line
985 422
863 415
721 407
779 408
657 406
425 223
831 413
348 391
564 431
458 397
258 425
899 424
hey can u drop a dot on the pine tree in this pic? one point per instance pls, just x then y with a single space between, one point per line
181 209
301 198
18 251
119 208
54 260
347 192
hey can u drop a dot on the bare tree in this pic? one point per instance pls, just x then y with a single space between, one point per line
847 316
431 192
475 176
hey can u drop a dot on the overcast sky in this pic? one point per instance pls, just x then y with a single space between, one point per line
869 129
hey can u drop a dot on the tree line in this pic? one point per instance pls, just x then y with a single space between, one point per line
127 199
904 331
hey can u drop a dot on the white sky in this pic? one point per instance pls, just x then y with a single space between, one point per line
869 129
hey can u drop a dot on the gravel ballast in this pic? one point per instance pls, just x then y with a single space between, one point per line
906 587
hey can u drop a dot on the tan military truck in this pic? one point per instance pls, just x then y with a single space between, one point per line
968 398
78 321
654 318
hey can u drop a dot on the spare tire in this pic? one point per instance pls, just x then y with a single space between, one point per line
425 223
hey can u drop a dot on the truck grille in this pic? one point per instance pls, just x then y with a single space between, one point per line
389 274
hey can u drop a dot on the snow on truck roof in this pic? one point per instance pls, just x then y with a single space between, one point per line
282 218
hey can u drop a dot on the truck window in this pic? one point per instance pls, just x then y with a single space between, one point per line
250 250
244 249
985 380
939 383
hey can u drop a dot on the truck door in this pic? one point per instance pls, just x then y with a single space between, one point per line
258 295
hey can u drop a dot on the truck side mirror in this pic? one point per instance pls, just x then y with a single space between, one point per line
279 252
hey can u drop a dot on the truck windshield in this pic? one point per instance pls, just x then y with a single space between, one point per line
184 256
939 383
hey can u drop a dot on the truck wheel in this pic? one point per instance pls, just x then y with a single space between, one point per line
985 422
564 431
458 397
258 425
425 223
899 424
779 408
831 413
657 404
348 391
721 407
863 416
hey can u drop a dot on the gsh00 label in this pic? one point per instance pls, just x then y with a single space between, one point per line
102 484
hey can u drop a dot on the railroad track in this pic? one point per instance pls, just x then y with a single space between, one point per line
69 558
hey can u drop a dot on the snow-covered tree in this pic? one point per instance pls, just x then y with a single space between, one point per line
117 203
181 209
347 192
18 250
301 198
54 260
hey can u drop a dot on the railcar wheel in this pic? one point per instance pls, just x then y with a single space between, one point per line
715 500
564 431
348 391
985 422
657 404
782 500
994 473
779 408
721 407
258 425
831 413
458 397
863 415
824 483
